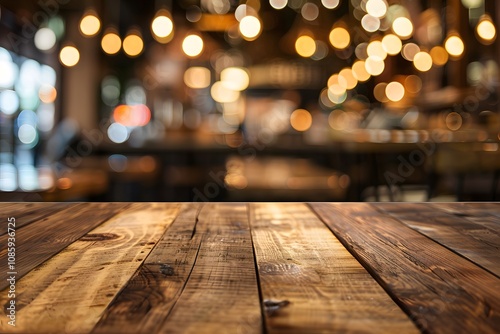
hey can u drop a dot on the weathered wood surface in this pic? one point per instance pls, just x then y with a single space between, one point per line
301 262
254 268
221 294
476 242
38 242
26 213
442 291
149 296
69 292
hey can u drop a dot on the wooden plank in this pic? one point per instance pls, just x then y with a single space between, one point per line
475 242
221 295
26 213
328 290
37 243
475 209
442 291
147 299
69 292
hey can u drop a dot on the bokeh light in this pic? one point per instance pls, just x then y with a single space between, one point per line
359 71
486 30
132 115
278 4
422 61
133 44
90 24
162 27
301 120
392 44
45 39
118 133
330 4
197 77
235 78
374 66
370 23
439 55
375 49
455 46
347 78
69 56
305 46
394 91
250 27
111 42
220 93
339 38
377 8
409 51
192 45
402 27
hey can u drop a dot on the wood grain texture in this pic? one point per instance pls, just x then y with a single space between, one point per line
27 213
221 295
442 291
69 293
467 209
302 262
38 242
147 299
475 242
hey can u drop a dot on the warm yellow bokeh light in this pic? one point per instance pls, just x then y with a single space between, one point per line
197 77
439 55
250 27
305 46
235 78
162 26
90 25
301 120
192 45
336 85
486 31
402 27
69 56
359 71
394 91
374 66
375 49
133 45
454 45
111 43
340 38
347 79
222 94
392 44
377 8
422 61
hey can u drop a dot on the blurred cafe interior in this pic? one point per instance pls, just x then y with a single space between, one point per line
257 100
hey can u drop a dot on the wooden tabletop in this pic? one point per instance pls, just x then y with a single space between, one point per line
250 268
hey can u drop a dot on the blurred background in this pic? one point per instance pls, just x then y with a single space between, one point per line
258 100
